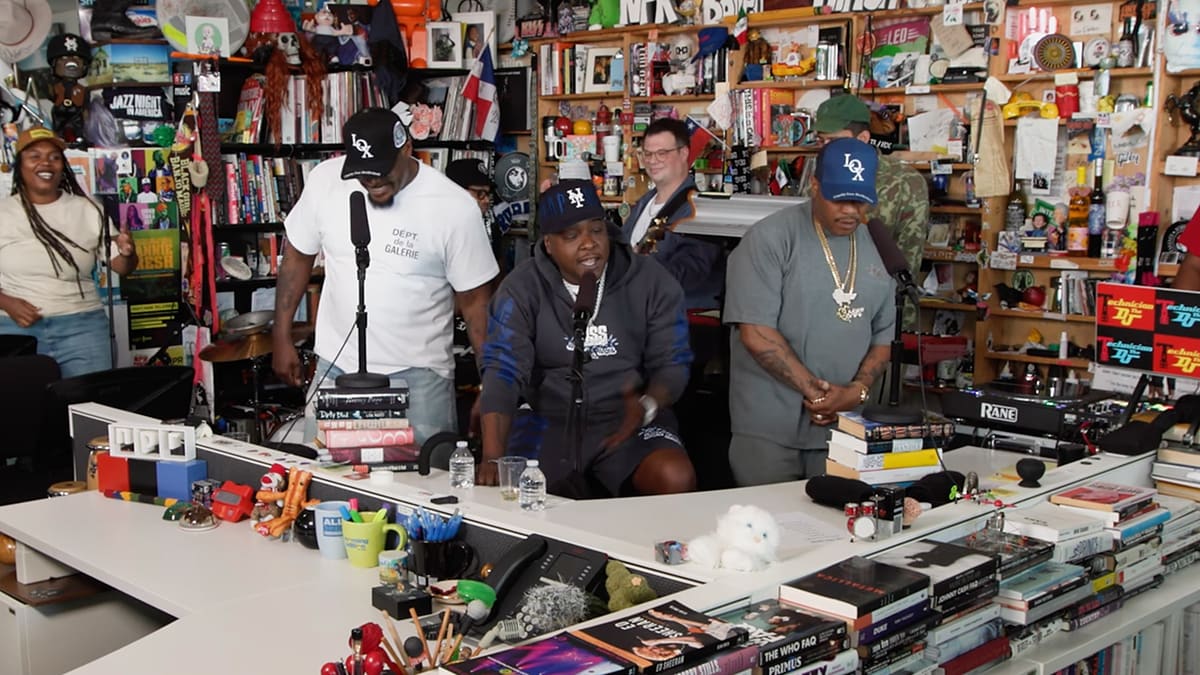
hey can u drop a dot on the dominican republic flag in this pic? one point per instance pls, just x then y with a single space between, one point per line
700 136
480 88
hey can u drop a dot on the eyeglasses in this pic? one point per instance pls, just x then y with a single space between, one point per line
657 155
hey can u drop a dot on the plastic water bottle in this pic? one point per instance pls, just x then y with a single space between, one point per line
462 466
532 494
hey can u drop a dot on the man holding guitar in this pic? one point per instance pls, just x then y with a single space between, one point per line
698 265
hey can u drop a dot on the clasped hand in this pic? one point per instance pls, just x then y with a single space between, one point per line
824 401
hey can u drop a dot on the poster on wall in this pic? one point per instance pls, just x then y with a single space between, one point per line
1146 328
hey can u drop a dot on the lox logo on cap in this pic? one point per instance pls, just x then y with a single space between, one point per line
71 44
362 146
855 166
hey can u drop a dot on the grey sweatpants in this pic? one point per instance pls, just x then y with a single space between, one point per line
757 461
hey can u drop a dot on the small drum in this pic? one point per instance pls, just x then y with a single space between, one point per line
95 446
66 487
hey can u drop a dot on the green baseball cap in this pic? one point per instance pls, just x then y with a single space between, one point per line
837 112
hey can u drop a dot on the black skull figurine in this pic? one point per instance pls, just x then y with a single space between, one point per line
69 57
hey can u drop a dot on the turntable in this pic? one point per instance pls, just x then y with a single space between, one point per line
1013 419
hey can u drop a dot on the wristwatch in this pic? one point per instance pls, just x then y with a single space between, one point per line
650 406
864 392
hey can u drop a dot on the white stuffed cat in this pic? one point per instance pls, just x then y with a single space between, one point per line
745 541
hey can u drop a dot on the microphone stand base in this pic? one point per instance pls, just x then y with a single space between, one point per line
887 414
363 381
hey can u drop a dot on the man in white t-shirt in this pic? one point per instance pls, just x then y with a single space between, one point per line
428 251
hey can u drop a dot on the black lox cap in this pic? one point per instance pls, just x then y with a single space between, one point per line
373 139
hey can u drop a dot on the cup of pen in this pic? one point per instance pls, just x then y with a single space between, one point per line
433 561
365 540
509 470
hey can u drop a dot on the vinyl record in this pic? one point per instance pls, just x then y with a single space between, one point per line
1054 52
172 19
1170 243
512 177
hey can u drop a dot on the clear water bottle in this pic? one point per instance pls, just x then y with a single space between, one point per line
462 466
532 494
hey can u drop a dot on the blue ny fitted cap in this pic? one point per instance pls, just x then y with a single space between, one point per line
846 170
568 203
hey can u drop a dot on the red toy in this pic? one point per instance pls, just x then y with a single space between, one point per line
232 502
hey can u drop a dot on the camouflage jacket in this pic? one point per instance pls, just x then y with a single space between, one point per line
904 207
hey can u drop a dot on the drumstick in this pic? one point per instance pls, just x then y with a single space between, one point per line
395 637
420 632
387 647
448 651
436 655
456 645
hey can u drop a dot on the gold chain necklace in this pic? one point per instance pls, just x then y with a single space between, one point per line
843 288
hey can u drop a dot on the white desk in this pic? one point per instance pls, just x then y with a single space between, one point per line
253 604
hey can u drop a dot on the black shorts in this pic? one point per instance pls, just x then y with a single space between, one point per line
545 439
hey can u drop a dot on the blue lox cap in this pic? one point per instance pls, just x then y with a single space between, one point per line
846 171
568 203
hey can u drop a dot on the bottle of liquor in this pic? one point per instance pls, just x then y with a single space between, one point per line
1014 214
1125 45
1077 216
1096 211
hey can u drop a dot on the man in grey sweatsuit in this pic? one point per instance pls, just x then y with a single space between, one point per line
637 362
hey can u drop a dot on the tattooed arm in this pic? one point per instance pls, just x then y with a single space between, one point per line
773 354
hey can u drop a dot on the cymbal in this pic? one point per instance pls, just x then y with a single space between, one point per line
249 323
250 346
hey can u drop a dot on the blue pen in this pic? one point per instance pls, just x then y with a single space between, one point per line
345 514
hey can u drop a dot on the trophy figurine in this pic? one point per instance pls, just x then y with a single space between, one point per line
1185 106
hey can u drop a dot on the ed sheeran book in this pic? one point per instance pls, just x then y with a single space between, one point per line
664 637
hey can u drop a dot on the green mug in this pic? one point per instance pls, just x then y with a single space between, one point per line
364 541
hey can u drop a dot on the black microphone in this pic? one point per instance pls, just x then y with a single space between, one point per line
585 301
360 229
893 258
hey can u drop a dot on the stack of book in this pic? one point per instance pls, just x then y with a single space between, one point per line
365 426
883 606
1042 590
1177 471
962 625
880 454
1076 538
793 641
1180 534
1130 515
670 638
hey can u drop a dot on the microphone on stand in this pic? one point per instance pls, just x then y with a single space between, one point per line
897 267
360 236
893 259
360 231
585 302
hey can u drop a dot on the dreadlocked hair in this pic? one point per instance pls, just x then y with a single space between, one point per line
56 242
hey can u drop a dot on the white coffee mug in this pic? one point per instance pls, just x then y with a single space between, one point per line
329 529
612 149
1116 209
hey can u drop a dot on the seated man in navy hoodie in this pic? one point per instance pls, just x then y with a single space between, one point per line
636 367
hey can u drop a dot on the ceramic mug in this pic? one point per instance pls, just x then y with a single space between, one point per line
433 561
329 530
364 541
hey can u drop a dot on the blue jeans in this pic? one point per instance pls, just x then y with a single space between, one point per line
431 406
79 342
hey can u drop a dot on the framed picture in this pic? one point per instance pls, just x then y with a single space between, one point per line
437 158
479 31
939 235
445 44
599 69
